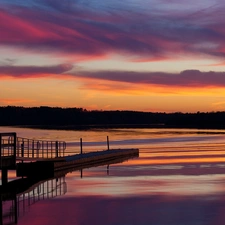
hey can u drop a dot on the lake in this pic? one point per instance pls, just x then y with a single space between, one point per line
178 178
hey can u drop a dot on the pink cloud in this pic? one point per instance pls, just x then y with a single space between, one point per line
15 30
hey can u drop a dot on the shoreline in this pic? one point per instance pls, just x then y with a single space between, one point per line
114 126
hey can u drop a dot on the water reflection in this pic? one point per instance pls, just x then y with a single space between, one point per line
179 178
17 196
155 209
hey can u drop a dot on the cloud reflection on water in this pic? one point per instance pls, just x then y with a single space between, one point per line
145 210
146 183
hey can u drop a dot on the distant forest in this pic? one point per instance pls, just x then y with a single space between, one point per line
78 118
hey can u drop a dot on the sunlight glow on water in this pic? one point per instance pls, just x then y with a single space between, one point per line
148 185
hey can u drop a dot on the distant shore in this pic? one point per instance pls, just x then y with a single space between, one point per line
111 126
80 119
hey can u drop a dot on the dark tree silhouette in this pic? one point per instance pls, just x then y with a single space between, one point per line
78 118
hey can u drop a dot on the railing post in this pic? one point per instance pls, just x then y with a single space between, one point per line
43 147
10 145
38 147
28 148
22 149
47 150
59 146
51 149
17 146
33 148
57 149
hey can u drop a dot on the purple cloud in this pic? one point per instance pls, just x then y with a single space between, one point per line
187 78
30 71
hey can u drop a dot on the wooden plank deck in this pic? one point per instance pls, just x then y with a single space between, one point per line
48 168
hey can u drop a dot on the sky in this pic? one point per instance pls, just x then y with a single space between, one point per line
155 55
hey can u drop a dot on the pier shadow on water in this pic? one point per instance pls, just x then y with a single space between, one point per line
18 196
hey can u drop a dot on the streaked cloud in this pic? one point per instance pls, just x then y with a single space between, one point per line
148 30
30 71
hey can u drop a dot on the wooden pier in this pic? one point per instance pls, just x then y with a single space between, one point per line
45 158
24 192
37 161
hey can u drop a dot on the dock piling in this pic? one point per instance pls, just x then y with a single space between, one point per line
108 142
4 176
81 146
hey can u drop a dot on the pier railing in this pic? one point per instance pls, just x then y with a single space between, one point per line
29 148
7 147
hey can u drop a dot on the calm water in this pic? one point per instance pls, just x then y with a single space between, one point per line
179 178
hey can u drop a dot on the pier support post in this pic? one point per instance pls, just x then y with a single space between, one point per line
1 211
4 176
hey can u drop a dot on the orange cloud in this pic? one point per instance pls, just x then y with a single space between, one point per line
15 101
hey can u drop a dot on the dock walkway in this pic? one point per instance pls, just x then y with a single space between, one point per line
44 158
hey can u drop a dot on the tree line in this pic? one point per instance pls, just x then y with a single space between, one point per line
79 118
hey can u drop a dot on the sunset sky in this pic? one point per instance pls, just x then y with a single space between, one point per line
155 55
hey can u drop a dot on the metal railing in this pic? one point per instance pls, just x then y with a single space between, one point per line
11 145
29 148
7 145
